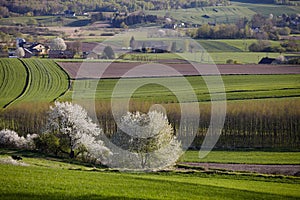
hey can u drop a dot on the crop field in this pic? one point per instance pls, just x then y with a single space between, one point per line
226 14
267 9
249 157
50 178
31 80
12 80
237 87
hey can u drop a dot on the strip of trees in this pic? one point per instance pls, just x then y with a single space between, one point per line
265 124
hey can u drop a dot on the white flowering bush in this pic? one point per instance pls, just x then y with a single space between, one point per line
76 132
149 141
9 138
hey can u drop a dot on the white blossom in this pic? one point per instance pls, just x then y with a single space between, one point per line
73 121
9 138
147 141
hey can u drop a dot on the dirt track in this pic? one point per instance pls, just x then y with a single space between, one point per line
116 70
291 170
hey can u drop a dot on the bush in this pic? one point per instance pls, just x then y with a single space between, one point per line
11 139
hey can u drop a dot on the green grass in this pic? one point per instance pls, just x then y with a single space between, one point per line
238 87
249 157
46 81
225 14
46 178
217 57
267 9
12 80
31 80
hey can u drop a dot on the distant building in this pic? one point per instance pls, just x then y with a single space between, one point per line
61 54
69 13
150 47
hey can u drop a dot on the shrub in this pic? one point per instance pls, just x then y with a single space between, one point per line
9 138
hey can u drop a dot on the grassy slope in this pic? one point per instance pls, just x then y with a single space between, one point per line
47 81
12 80
250 157
237 87
45 179
226 14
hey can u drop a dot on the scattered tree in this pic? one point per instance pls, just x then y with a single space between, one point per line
75 131
150 137
20 53
58 44
132 43
108 53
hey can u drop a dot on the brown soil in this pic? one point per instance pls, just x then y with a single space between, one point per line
290 170
116 70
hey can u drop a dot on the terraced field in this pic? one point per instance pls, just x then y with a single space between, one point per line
12 80
31 80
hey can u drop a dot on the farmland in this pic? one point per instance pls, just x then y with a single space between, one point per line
227 14
238 87
53 178
12 80
31 80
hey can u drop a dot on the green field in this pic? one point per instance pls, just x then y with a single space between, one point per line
225 14
12 80
237 87
249 157
213 56
52 178
31 80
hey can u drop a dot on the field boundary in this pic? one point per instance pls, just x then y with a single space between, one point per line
69 81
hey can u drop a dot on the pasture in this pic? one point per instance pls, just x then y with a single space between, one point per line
52 178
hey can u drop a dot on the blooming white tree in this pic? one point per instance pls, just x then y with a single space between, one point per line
58 44
20 53
149 140
9 138
76 130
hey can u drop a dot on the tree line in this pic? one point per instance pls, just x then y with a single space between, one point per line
41 7
265 124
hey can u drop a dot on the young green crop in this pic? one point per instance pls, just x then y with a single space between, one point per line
46 81
12 80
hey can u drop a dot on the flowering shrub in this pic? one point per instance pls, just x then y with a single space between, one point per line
76 132
149 140
9 138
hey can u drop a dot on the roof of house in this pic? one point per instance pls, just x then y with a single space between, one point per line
266 60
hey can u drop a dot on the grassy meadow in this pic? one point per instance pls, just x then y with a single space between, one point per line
40 177
225 14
